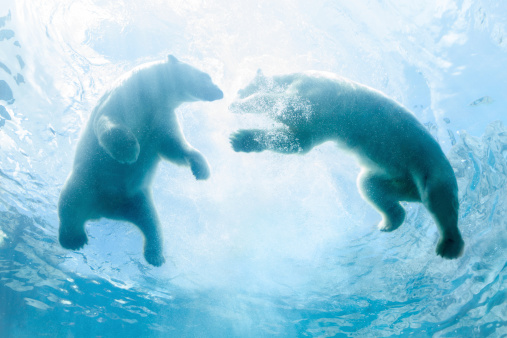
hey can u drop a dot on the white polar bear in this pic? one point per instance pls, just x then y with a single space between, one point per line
132 127
400 160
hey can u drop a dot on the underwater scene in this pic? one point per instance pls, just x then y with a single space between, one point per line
136 198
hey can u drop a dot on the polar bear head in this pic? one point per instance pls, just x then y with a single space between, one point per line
260 83
191 83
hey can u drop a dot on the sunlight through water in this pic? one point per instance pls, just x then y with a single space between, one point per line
270 245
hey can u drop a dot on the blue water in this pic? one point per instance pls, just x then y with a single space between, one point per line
271 245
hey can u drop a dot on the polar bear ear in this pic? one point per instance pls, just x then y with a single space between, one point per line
172 59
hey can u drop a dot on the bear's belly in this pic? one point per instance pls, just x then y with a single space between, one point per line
114 181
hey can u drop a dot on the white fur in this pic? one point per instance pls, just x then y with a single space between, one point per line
132 127
400 160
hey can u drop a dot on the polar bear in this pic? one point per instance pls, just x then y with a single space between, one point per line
132 128
400 160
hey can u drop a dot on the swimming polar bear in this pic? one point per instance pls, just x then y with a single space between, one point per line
132 127
400 160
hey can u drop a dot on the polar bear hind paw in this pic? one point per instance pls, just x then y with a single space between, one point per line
450 248
387 226
154 257
72 241
393 220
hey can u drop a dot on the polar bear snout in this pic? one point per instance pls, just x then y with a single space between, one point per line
250 105
210 92
216 94
235 107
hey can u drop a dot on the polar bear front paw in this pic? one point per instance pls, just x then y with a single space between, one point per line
247 140
121 144
199 166
450 248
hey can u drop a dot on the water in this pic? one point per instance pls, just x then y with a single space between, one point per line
271 245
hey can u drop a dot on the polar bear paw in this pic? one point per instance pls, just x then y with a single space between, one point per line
121 144
154 256
393 220
247 140
450 248
199 166
387 226
73 240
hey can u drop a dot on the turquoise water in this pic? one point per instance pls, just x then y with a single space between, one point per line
270 245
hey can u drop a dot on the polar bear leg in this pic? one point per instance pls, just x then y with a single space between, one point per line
248 140
178 151
117 140
385 194
73 211
278 140
198 164
140 211
439 195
